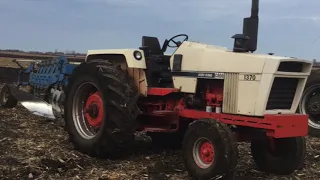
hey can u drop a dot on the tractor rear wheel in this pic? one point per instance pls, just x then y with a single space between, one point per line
209 150
7 100
279 156
100 109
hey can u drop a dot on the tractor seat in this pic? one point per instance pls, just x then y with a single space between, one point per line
152 44
155 52
158 65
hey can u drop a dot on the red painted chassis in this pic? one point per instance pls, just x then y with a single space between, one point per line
275 125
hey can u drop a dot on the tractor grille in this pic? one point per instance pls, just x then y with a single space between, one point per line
290 66
230 93
282 93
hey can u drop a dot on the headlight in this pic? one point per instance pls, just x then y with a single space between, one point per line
137 55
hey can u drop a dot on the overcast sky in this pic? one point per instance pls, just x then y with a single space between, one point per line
287 27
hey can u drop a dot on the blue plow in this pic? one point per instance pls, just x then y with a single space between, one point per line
47 80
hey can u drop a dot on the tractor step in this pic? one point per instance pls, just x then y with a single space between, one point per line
161 113
156 129
160 121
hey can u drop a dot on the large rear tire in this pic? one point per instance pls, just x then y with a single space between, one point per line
107 126
210 150
310 104
279 156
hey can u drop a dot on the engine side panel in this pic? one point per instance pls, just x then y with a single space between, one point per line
205 58
247 90
250 80
185 84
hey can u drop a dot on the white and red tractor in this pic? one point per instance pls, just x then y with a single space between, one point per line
202 97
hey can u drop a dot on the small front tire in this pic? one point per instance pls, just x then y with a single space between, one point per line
209 150
279 156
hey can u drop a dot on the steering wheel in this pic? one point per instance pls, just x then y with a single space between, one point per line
177 43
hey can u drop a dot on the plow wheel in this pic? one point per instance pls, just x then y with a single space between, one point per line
7 100
100 109
209 150
279 156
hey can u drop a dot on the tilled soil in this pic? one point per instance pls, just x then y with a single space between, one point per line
36 148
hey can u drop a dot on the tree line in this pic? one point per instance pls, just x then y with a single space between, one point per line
54 53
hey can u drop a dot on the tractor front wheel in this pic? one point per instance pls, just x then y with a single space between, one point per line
209 150
7 100
279 156
100 109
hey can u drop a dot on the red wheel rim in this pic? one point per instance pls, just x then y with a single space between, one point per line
206 152
203 153
94 110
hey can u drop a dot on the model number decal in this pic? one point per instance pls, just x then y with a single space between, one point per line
250 77
219 75
211 75
206 75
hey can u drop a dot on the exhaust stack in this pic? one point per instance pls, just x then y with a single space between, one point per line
248 40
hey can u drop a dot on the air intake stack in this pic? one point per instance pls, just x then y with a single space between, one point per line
247 41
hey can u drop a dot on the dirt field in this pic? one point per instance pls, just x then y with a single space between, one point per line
35 148
7 62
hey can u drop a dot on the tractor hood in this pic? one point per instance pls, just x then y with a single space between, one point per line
209 58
